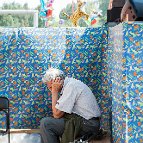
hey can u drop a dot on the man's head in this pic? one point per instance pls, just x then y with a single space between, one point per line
50 75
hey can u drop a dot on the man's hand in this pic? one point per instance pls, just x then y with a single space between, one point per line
56 85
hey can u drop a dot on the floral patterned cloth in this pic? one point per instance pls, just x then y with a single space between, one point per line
108 60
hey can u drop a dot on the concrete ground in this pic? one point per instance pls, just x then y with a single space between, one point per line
21 138
35 138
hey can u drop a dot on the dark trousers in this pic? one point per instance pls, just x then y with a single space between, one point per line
51 129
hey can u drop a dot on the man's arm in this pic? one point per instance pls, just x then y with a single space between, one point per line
56 88
56 113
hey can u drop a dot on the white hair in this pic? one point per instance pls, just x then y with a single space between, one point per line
51 74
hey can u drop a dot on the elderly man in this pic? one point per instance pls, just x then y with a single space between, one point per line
75 109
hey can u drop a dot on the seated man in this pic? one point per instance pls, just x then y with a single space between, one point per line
75 110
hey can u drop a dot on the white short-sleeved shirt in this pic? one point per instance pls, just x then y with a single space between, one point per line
76 97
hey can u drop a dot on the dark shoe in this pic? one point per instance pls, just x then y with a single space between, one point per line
98 136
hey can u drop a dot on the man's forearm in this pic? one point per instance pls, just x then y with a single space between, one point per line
54 100
56 113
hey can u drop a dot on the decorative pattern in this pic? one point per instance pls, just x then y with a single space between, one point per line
126 49
112 67
25 55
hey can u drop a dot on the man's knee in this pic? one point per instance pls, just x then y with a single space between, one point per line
46 122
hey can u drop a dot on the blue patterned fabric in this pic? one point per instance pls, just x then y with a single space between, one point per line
126 65
27 52
108 60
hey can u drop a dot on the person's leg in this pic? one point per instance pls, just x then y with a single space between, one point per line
51 129
90 127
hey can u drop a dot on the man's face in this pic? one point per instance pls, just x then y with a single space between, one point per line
49 85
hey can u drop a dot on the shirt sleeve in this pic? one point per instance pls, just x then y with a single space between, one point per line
67 100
